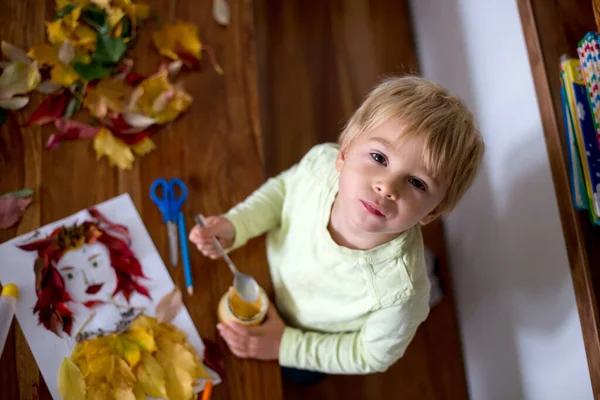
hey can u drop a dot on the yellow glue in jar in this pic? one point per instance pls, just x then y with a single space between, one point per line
233 308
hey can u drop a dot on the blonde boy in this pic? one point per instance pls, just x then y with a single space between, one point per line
344 244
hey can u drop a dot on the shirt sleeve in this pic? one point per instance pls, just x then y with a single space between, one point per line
261 211
382 340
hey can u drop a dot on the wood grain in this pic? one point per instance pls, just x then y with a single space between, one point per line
316 63
215 148
552 29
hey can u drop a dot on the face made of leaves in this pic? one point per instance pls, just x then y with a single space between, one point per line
149 358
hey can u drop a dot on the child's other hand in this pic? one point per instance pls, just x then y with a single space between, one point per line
260 342
219 227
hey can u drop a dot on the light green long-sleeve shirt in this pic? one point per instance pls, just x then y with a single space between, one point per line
347 311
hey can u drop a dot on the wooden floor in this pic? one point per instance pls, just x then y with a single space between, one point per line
315 65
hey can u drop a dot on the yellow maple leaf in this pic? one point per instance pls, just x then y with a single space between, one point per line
117 151
129 345
45 54
144 147
151 376
84 38
175 38
108 95
139 393
63 75
180 367
71 384
57 32
114 15
161 100
71 20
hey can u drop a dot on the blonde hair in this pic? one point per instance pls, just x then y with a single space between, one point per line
453 146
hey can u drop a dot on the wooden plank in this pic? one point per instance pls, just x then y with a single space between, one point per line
552 29
215 148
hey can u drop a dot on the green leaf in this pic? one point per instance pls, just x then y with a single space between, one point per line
95 17
126 32
2 116
109 50
72 107
66 10
23 193
93 71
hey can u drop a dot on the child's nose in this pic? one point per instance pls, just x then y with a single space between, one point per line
387 190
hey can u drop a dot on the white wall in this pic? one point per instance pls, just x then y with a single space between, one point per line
518 319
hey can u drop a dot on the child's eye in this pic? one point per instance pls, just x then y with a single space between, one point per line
379 158
418 184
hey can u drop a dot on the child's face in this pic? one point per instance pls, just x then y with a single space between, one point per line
383 185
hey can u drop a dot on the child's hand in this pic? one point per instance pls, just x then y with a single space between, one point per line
219 227
260 342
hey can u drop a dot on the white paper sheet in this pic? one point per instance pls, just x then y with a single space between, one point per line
16 266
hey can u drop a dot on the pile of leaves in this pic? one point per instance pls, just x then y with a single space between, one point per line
149 358
52 295
84 65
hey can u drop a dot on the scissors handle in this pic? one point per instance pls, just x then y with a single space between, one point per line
168 204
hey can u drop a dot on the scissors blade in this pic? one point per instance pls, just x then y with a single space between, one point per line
172 232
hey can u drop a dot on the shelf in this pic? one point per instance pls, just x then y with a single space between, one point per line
552 29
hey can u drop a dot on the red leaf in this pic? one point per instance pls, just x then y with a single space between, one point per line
12 209
93 303
189 60
62 309
117 228
127 285
67 324
38 244
70 130
93 289
50 109
134 79
213 357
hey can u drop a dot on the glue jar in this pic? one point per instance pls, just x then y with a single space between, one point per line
233 308
8 305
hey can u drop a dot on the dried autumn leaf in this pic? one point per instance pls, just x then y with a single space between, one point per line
130 345
143 147
169 306
93 289
180 368
14 103
117 152
71 384
221 13
93 303
56 31
151 376
70 130
173 39
48 87
50 109
160 100
12 209
13 53
107 95
19 78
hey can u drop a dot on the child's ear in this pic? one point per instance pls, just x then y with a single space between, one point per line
340 159
430 217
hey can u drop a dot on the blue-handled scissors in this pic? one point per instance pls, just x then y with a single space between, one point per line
169 205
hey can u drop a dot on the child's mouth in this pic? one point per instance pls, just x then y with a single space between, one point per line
372 209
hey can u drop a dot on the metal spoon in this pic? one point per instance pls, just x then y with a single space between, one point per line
245 285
